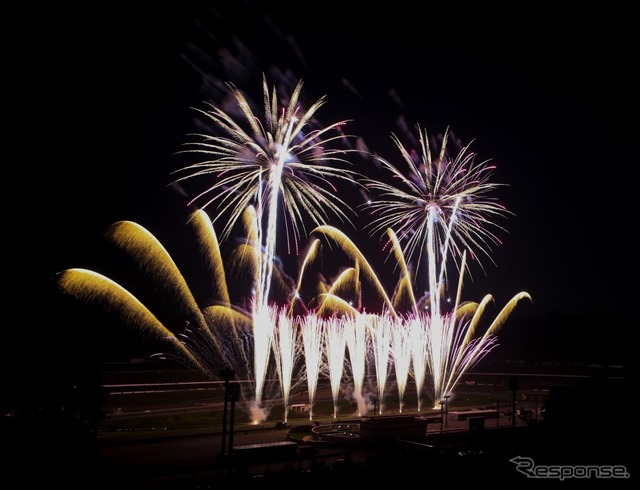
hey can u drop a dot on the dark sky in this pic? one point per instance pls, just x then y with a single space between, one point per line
543 95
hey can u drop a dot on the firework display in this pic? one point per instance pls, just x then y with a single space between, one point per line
276 174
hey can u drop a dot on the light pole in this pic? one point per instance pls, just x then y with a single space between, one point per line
234 391
513 385
227 374
445 399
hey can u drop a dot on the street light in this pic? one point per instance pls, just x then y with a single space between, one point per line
513 386
227 374
234 392
445 402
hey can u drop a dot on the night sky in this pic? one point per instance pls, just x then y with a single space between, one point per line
543 96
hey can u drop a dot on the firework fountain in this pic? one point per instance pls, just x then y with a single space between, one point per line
282 168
